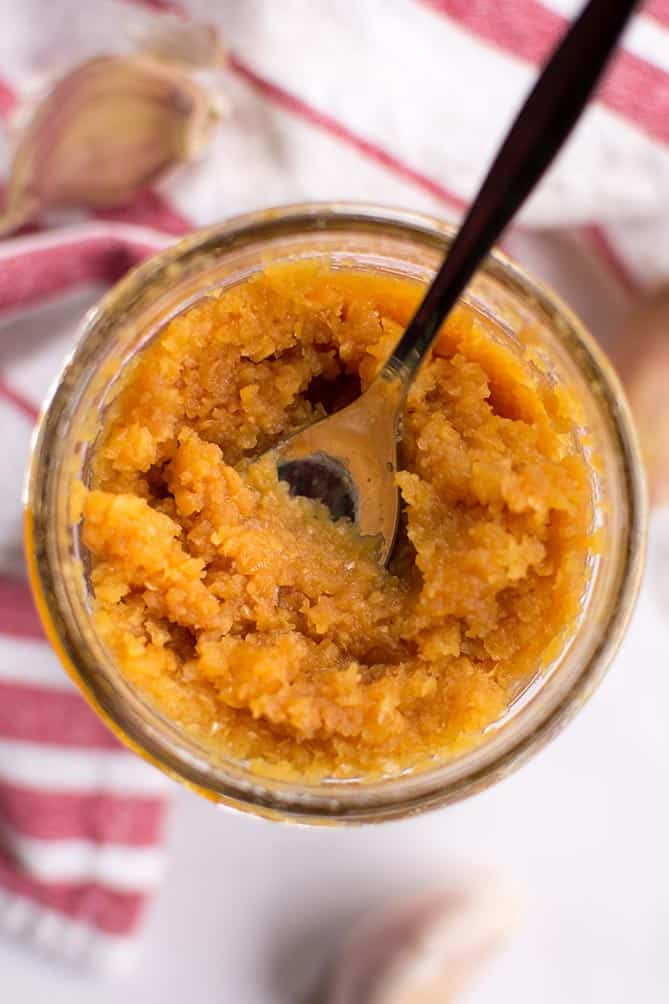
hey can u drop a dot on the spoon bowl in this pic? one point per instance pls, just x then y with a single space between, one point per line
348 461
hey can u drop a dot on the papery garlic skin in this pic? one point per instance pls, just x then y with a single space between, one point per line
106 130
170 37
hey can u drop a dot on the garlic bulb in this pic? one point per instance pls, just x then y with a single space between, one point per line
105 130
423 950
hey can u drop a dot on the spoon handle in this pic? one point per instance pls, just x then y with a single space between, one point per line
543 124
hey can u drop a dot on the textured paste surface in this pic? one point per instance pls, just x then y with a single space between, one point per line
267 631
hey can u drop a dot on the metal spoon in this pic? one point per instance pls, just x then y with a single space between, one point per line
348 460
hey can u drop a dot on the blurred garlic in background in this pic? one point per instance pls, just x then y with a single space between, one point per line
115 124
424 950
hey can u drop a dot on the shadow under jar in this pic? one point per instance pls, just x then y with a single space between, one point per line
379 240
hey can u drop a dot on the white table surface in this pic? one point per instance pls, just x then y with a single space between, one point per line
583 830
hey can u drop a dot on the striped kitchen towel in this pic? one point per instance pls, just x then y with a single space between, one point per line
392 101
80 818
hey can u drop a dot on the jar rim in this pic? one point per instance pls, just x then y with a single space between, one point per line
343 801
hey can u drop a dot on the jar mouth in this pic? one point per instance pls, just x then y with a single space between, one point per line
59 587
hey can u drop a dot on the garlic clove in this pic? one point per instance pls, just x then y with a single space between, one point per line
424 950
107 129
643 363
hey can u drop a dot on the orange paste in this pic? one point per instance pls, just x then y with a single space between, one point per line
271 634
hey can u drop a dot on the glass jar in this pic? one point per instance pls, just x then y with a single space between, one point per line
352 236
